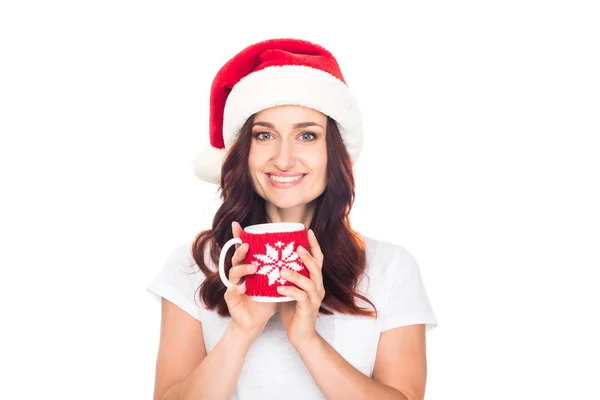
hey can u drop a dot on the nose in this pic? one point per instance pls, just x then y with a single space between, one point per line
285 158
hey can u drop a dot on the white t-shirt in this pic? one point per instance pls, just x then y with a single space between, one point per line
272 365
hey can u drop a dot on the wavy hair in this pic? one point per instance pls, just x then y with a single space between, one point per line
343 250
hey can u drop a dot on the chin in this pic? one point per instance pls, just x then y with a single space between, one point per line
286 203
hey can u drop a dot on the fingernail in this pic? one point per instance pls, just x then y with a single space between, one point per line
311 232
280 289
301 249
251 267
285 272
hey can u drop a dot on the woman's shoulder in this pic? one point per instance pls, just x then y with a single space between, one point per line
395 283
388 263
178 279
385 254
182 254
182 260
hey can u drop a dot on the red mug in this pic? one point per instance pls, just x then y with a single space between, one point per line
272 247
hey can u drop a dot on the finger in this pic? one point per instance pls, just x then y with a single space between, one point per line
236 273
300 280
315 249
311 265
297 294
314 290
233 295
236 229
240 254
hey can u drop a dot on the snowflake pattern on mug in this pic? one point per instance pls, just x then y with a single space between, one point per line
277 257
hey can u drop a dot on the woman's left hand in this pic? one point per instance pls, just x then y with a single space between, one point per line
299 317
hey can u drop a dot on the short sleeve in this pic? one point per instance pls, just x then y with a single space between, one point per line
178 280
407 302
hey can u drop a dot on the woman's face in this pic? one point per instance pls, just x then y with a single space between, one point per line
288 155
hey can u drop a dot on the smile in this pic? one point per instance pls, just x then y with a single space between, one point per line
279 181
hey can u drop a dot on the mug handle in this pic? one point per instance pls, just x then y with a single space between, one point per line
229 243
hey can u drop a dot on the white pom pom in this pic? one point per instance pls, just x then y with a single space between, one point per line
207 164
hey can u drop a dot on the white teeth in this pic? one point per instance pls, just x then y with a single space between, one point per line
286 178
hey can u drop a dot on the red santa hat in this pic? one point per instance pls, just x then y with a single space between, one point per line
273 73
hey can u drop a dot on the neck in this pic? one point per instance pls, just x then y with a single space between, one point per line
302 214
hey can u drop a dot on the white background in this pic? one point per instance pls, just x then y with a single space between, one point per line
481 158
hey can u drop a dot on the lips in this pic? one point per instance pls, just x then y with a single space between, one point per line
284 181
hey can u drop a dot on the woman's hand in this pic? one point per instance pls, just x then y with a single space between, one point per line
299 317
247 315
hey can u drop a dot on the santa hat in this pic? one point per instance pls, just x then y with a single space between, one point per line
273 73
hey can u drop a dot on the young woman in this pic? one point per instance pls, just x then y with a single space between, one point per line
285 131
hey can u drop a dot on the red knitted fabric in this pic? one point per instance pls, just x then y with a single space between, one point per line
271 252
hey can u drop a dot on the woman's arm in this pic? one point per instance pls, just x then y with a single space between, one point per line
398 372
183 369
217 374
399 368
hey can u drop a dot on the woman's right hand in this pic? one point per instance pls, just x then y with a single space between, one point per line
247 315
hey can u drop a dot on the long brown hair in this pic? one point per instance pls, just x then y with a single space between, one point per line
343 250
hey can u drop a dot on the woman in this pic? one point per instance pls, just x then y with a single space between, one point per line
285 131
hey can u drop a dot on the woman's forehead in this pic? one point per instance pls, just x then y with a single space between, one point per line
290 114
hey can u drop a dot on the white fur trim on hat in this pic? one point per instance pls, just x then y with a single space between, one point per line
294 85
207 164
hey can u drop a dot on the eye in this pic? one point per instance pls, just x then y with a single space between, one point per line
308 136
262 136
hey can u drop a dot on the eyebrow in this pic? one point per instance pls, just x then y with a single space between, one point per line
295 126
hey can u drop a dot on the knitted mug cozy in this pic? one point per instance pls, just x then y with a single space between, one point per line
270 252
